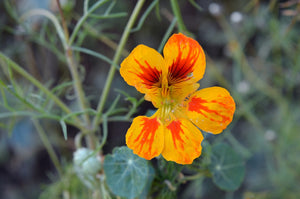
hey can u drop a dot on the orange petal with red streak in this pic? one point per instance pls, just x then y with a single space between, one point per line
143 70
145 137
182 142
185 59
211 109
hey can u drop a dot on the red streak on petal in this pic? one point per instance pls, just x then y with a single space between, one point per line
147 134
149 75
181 68
197 104
176 130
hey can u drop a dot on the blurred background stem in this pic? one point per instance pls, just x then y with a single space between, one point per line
48 146
240 57
116 60
77 83
177 13
86 14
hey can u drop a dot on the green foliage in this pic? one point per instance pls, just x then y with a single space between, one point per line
127 175
227 167
62 53
147 188
69 185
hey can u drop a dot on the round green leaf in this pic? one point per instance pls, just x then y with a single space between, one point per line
126 173
147 187
227 167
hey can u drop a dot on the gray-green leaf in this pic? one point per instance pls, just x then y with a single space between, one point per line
227 167
126 173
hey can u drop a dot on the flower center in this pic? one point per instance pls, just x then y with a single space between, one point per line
168 105
167 112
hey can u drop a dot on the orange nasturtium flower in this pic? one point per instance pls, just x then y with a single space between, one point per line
170 83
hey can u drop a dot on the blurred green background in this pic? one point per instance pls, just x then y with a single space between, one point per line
252 49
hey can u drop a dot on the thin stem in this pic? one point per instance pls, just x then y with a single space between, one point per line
85 6
105 131
110 7
48 146
63 20
90 138
294 20
119 119
110 16
73 67
116 59
95 54
103 190
11 10
78 139
83 19
50 46
52 18
143 18
193 177
177 13
77 83
167 34
250 74
196 5
107 41
35 82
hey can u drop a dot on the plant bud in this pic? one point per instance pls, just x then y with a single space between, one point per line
87 165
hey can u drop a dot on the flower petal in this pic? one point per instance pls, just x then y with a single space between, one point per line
185 59
180 91
143 69
182 142
145 137
211 109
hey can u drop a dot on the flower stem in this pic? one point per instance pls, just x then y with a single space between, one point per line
48 146
65 28
77 84
84 18
193 177
51 17
116 59
177 13
73 68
